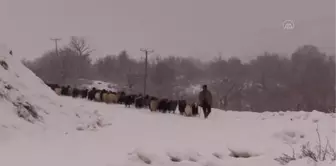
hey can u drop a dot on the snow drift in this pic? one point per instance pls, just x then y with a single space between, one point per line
27 104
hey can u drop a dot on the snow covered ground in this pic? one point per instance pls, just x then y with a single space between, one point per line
100 85
76 132
157 136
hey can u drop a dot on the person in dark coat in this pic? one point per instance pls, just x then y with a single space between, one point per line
205 100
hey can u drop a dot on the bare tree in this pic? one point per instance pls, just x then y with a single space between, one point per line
80 45
49 66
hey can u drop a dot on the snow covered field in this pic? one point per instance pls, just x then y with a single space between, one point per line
158 136
76 132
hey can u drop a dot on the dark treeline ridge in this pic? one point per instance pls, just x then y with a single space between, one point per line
305 80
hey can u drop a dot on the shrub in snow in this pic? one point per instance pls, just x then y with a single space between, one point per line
144 158
242 154
174 157
192 159
319 153
4 64
190 156
26 111
218 155
139 155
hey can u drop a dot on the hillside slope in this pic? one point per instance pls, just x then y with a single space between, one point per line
27 105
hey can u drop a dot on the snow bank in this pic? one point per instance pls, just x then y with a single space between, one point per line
28 105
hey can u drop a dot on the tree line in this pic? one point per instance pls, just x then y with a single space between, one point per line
305 80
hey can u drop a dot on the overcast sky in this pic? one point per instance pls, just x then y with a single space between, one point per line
199 28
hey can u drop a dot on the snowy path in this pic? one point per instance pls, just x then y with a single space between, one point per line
156 134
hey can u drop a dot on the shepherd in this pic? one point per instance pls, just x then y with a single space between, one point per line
205 101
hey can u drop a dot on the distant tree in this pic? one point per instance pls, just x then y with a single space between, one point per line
106 68
72 63
163 77
269 90
80 46
269 82
312 77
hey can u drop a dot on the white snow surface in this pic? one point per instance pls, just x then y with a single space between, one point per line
128 137
101 85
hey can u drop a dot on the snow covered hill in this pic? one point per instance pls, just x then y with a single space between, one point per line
39 128
28 105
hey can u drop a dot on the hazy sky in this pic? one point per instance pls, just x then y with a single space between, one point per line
199 28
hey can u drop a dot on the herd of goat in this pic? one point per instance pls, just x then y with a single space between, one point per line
138 100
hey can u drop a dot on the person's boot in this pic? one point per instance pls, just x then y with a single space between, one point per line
204 112
208 113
